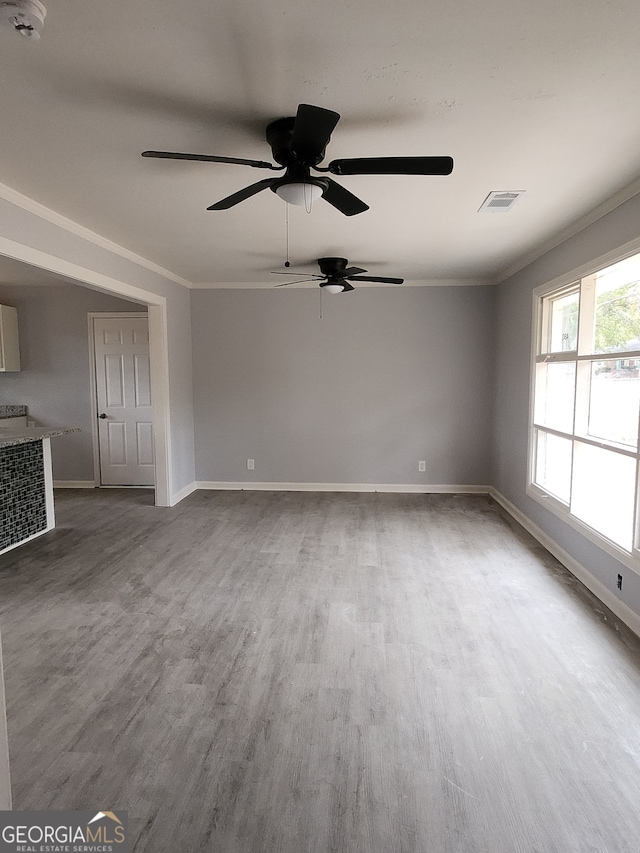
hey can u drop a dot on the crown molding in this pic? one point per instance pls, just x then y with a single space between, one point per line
268 285
32 206
576 227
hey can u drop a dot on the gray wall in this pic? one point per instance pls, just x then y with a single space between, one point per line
55 376
387 377
513 353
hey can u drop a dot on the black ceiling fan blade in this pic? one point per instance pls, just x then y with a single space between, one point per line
311 275
300 281
351 271
392 166
346 287
342 199
241 195
311 132
210 158
380 278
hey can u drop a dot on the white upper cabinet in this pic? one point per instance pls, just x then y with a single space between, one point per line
9 351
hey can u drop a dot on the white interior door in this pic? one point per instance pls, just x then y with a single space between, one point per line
123 395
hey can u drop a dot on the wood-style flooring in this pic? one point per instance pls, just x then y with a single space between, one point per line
255 672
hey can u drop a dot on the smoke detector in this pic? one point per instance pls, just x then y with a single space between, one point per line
25 16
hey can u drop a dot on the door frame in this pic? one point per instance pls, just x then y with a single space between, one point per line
158 387
158 336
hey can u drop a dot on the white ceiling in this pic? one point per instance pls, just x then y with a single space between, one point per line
539 97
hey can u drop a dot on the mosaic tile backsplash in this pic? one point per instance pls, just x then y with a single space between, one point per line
23 509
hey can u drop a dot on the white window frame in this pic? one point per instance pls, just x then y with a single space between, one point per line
549 501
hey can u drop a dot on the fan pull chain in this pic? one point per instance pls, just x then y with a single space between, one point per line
287 263
321 292
308 199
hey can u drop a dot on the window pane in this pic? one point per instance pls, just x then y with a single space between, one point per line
553 464
564 323
603 492
555 390
614 398
617 307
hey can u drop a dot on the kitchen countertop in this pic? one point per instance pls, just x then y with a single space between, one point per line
13 411
23 435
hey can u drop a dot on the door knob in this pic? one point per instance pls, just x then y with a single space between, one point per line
103 416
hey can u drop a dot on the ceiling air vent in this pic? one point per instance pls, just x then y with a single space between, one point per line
500 202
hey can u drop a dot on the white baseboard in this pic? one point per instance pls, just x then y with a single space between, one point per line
74 484
408 488
606 596
183 493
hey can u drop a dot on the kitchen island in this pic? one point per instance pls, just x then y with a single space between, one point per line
26 483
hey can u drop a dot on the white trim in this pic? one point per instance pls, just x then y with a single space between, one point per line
183 493
158 344
93 392
536 330
5 776
268 285
32 206
83 275
561 511
589 268
407 488
75 484
48 484
24 541
579 225
606 596
159 365
148 488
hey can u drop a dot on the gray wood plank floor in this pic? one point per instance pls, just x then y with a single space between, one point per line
255 672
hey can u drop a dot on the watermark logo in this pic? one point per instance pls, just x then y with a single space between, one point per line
64 832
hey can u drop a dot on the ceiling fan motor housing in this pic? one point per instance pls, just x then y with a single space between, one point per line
279 135
332 266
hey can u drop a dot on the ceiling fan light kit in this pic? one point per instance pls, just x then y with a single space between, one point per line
302 194
334 288
25 16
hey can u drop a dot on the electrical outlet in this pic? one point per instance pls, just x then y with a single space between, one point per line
251 464
422 466
619 581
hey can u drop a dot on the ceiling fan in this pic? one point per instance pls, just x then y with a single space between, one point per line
336 276
298 145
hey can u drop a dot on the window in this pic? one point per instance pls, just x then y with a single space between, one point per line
586 405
